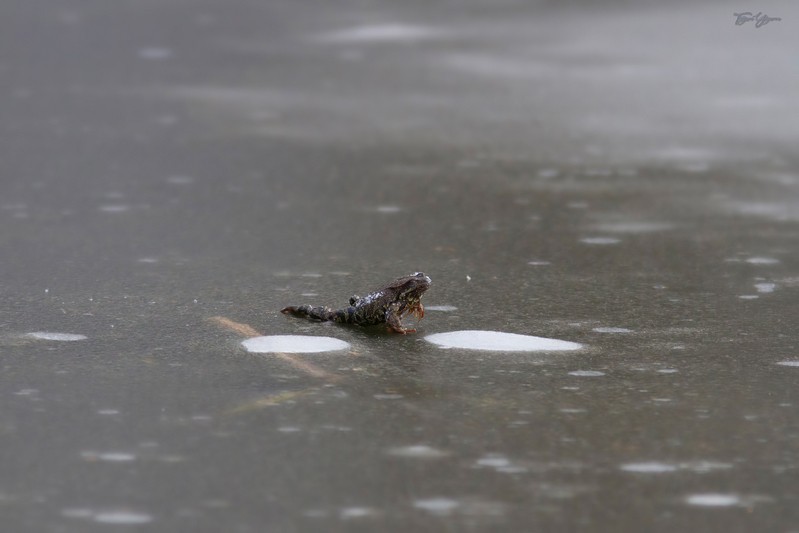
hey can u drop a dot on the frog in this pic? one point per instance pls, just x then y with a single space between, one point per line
387 305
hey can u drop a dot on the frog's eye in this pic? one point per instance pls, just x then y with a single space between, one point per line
418 275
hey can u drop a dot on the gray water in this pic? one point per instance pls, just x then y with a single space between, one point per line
174 173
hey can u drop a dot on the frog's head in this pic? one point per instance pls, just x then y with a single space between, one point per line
410 288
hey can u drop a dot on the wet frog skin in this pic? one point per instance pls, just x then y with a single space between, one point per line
387 306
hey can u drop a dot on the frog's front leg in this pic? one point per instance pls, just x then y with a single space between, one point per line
393 319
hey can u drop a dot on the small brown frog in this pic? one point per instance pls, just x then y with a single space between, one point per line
387 306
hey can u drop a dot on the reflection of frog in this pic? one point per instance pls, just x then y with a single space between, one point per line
384 306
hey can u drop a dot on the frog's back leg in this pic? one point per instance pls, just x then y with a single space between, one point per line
307 311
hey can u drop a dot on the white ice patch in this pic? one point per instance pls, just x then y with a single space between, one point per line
538 263
122 517
498 341
713 500
388 209
110 457
765 287
445 308
762 261
602 241
440 506
788 363
635 227
418 451
293 344
348 513
115 208
382 33
494 461
586 373
52 336
653 467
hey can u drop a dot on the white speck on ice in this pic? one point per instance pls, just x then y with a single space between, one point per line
122 517
667 371
635 227
388 209
52 336
788 363
539 263
765 287
494 461
713 500
748 297
586 373
762 261
107 412
110 457
653 467
148 260
499 341
383 33
600 240
440 308
388 396
293 344
115 208
355 512
440 506
418 451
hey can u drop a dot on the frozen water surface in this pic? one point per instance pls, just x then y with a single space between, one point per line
171 169
293 344
498 341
